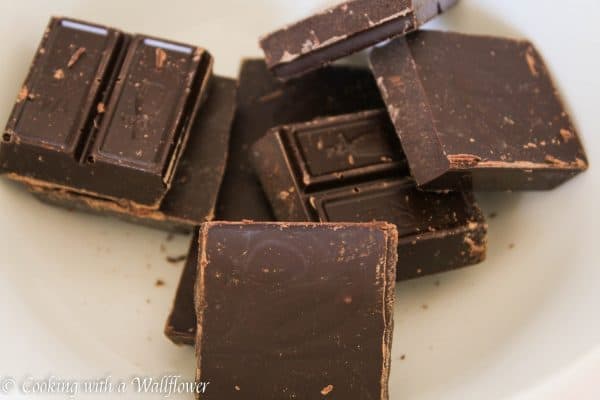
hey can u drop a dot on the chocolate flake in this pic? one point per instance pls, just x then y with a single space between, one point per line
23 94
161 57
59 74
76 56
566 135
530 57
326 390
464 160
555 161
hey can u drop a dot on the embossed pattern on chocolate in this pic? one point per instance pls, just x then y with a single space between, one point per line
351 168
105 114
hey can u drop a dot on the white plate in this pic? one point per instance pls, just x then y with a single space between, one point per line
78 293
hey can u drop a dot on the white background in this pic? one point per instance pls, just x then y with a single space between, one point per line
77 293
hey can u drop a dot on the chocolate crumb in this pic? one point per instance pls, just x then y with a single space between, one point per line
529 57
555 161
566 135
176 259
159 283
161 57
403 357
511 246
59 74
326 390
23 94
492 215
464 160
425 307
75 57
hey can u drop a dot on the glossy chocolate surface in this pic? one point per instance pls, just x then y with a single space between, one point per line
105 114
493 123
306 306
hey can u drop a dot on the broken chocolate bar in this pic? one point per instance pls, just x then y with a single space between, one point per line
342 30
351 168
105 114
192 198
263 103
128 114
493 124
308 306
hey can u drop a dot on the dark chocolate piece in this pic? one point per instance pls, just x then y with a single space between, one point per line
351 169
306 306
192 198
494 124
263 103
181 324
105 114
342 30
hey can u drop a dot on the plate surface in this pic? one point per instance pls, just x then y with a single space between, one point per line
79 294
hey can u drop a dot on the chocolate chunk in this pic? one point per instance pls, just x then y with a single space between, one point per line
351 169
148 116
181 324
308 305
192 198
495 124
263 103
100 119
342 30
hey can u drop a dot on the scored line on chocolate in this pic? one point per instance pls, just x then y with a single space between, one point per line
167 46
84 27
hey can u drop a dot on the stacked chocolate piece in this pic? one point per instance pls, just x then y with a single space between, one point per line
138 127
123 124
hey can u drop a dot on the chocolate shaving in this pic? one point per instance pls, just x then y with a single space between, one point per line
530 58
23 94
566 135
326 390
555 161
161 57
75 57
464 160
